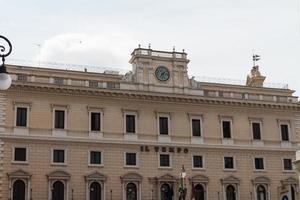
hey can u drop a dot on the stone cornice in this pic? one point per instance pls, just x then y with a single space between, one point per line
149 96
140 142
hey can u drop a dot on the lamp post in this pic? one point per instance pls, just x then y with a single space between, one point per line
182 188
5 50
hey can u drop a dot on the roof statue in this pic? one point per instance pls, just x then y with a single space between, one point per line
255 79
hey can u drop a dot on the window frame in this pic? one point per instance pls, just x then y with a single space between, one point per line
288 128
196 117
135 114
234 163
231 128
170 161
203 162
13 154
287 170
260 128
21 105
158 123
52 156
101 121
264 163
58 108
136 160
89 158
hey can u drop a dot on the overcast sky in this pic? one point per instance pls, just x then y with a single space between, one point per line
218 35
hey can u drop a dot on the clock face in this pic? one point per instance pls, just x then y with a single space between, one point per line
162 73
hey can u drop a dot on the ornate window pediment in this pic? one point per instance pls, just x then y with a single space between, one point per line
290 180
167 177
19 174
95 176
131 177
230 180
58 174
199 179
261 180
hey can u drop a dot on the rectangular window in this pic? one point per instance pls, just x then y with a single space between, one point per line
228 163
95 157
164 160
259 163
21 118
287 164
130 159
20 154
226 127
284 132
59 119
95 121
163 125
130 123
58 156
197 162
256 130
93 83
196 127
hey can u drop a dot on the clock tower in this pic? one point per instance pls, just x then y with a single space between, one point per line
153 68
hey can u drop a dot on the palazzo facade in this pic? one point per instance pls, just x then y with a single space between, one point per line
75 135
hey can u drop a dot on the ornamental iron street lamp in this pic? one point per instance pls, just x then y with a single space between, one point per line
5 50
182 188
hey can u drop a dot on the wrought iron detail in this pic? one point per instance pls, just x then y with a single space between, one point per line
4 52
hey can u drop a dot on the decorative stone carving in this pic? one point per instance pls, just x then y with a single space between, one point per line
255 79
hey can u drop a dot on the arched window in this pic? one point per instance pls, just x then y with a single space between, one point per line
230 192
166 192
131 191
19 190
199 192
261 193
58 192
95 191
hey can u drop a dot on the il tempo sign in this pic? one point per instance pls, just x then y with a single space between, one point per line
164 149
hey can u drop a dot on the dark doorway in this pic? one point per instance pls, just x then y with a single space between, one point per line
166 192
199 192
261 193
95 191
58 192
131 191
230 192
293 193
19 190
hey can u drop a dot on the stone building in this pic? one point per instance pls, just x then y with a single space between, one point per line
75 135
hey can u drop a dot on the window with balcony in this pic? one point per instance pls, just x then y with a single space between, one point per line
284 128
256 130
163 125
226 129
95 121
21 116
59 119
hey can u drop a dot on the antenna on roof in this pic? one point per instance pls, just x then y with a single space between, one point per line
149 46
173 48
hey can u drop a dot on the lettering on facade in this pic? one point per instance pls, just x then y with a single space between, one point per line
164 149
